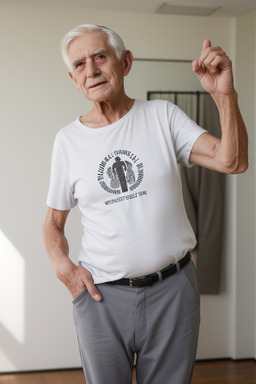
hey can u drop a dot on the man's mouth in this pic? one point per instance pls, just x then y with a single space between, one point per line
97 85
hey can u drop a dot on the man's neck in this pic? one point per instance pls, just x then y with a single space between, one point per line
106 113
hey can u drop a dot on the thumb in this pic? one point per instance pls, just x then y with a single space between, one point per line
198 68
197 65
92 289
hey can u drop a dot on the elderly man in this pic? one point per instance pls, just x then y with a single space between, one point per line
135 288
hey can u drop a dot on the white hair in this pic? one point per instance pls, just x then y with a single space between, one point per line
113 39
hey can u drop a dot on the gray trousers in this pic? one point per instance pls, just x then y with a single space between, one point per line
159 323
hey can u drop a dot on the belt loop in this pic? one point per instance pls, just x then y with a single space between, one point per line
160 276
178 268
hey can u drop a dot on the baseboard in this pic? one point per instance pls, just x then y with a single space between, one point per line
252 359
226 359
41 370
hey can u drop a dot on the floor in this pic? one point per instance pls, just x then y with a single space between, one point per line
225 372
209 372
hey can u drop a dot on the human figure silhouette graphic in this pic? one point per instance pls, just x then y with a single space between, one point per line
119 168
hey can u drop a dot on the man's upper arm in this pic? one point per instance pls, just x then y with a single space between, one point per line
56 218
204 152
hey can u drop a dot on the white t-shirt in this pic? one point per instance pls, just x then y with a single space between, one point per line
125 179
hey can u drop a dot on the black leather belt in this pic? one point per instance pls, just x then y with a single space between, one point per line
148 280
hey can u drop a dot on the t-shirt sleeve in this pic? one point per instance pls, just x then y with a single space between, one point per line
60 194
184 133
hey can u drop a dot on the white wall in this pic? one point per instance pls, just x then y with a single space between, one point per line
36 100
243 284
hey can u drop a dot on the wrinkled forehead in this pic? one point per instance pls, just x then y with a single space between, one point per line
88 43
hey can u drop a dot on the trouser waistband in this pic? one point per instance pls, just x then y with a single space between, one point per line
152 278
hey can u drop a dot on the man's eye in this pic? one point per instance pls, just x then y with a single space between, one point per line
101 57
79 66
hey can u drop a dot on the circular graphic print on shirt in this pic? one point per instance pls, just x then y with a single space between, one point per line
120 171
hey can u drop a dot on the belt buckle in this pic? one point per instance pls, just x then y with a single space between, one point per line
131 283
144 281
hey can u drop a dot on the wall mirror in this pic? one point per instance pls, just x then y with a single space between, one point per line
150 79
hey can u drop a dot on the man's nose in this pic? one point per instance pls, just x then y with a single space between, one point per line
92 69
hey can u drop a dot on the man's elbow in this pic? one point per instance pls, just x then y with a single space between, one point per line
239 166
242 167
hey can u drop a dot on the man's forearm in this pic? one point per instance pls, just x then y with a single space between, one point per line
233 147
56 246
56 243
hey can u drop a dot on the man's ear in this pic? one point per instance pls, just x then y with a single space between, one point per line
127 60
74 80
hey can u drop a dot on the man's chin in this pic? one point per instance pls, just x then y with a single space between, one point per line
98 95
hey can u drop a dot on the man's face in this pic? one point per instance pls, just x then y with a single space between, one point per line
96 70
